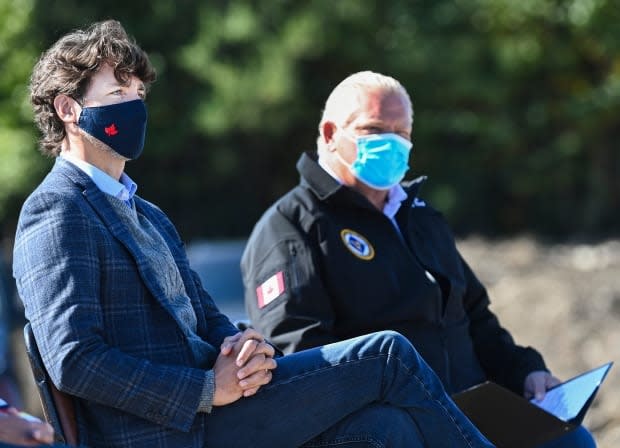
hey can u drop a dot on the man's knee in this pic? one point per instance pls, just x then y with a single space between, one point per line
394 342
578 438
393 339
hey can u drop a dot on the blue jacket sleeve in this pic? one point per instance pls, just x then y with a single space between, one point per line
504 361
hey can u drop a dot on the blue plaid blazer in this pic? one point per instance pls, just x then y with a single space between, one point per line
105 330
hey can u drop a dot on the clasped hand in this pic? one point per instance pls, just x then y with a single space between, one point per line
14 429
244 365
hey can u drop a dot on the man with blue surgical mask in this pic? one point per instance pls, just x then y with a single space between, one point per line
368 150
352 250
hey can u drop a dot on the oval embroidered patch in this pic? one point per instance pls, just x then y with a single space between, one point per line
357 244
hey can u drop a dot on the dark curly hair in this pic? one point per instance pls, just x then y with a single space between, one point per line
67 67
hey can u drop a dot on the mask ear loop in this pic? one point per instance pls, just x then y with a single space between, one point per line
346 134
339 156
344 162
80 102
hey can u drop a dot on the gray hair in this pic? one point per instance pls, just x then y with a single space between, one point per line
344 100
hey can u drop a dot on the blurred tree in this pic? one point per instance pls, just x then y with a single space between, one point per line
17 138
516 102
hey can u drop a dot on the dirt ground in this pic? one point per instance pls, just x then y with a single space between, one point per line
563 300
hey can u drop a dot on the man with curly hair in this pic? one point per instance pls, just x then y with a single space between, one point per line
124 326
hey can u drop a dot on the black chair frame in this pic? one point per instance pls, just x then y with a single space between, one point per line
57 406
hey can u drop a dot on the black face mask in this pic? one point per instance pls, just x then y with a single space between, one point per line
121 126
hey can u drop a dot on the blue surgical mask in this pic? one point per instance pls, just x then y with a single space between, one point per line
382 159
121 126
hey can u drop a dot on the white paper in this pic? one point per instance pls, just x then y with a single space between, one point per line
566 400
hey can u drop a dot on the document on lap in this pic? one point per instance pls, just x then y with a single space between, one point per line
511 421
567 400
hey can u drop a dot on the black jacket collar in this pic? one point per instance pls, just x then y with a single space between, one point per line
326 188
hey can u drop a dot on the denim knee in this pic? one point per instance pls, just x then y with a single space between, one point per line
578 438
396 343
394 339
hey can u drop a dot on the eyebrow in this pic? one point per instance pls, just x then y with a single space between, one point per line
379 125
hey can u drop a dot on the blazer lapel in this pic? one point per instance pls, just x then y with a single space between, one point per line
103 208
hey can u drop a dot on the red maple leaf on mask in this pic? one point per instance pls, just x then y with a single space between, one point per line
111 130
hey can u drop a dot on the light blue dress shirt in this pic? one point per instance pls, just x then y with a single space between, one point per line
123 189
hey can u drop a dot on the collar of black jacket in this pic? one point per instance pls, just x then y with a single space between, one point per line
327 188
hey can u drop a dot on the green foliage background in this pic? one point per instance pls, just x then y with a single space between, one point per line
517 103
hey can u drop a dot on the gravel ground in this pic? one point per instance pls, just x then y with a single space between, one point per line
563 300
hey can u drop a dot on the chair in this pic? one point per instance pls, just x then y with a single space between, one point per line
57 406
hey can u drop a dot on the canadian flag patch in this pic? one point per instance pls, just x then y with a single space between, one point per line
270 290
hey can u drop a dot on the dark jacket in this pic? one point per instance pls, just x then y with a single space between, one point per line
344 270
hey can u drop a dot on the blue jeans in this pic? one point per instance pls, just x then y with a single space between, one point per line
370 391
578 438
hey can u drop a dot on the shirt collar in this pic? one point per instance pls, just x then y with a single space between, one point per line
123 189
395 196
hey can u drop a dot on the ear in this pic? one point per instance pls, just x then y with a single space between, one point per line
328 132
67 109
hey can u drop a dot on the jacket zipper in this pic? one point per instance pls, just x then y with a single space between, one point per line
293 252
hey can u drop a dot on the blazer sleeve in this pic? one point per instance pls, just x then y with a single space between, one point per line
504 362
58 258
298 313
